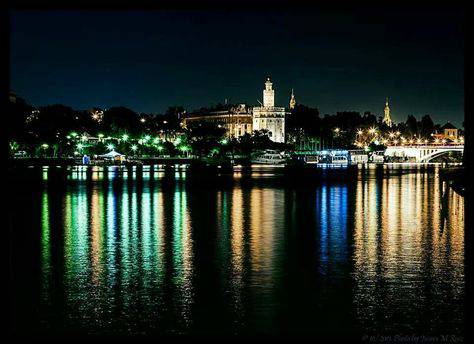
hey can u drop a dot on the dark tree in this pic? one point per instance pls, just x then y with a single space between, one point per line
427 125
411 125
118 119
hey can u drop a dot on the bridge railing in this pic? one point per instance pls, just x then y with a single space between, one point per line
428 146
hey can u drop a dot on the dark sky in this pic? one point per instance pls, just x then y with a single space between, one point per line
334 60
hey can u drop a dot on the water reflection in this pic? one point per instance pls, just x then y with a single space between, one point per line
153 258
404 266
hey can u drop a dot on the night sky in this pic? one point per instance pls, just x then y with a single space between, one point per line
335 61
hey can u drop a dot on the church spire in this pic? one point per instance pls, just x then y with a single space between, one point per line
386 117
292 100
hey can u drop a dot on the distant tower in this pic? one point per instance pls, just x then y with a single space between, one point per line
268 94
386 115
292 100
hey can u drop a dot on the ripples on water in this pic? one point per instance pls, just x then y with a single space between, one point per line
380 253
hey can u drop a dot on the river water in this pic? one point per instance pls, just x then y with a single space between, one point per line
380 252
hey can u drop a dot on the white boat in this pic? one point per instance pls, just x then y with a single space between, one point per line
270 157
339 159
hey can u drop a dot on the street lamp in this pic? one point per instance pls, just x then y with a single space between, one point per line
124 137
110 146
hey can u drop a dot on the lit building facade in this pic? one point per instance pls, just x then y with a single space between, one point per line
450 131
268 116
236 120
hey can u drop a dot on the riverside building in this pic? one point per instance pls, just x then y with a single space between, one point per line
237 120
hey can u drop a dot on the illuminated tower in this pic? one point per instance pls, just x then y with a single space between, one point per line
292 100
268 117
386 115
268 94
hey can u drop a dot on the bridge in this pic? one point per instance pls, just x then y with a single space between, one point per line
421 153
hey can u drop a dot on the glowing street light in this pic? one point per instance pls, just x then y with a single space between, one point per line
372 130
124 137
143 120
184 148
44 146
392 135
360 132
110 146
80 146
134 147
84 138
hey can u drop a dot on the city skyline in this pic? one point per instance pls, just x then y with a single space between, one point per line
153 63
